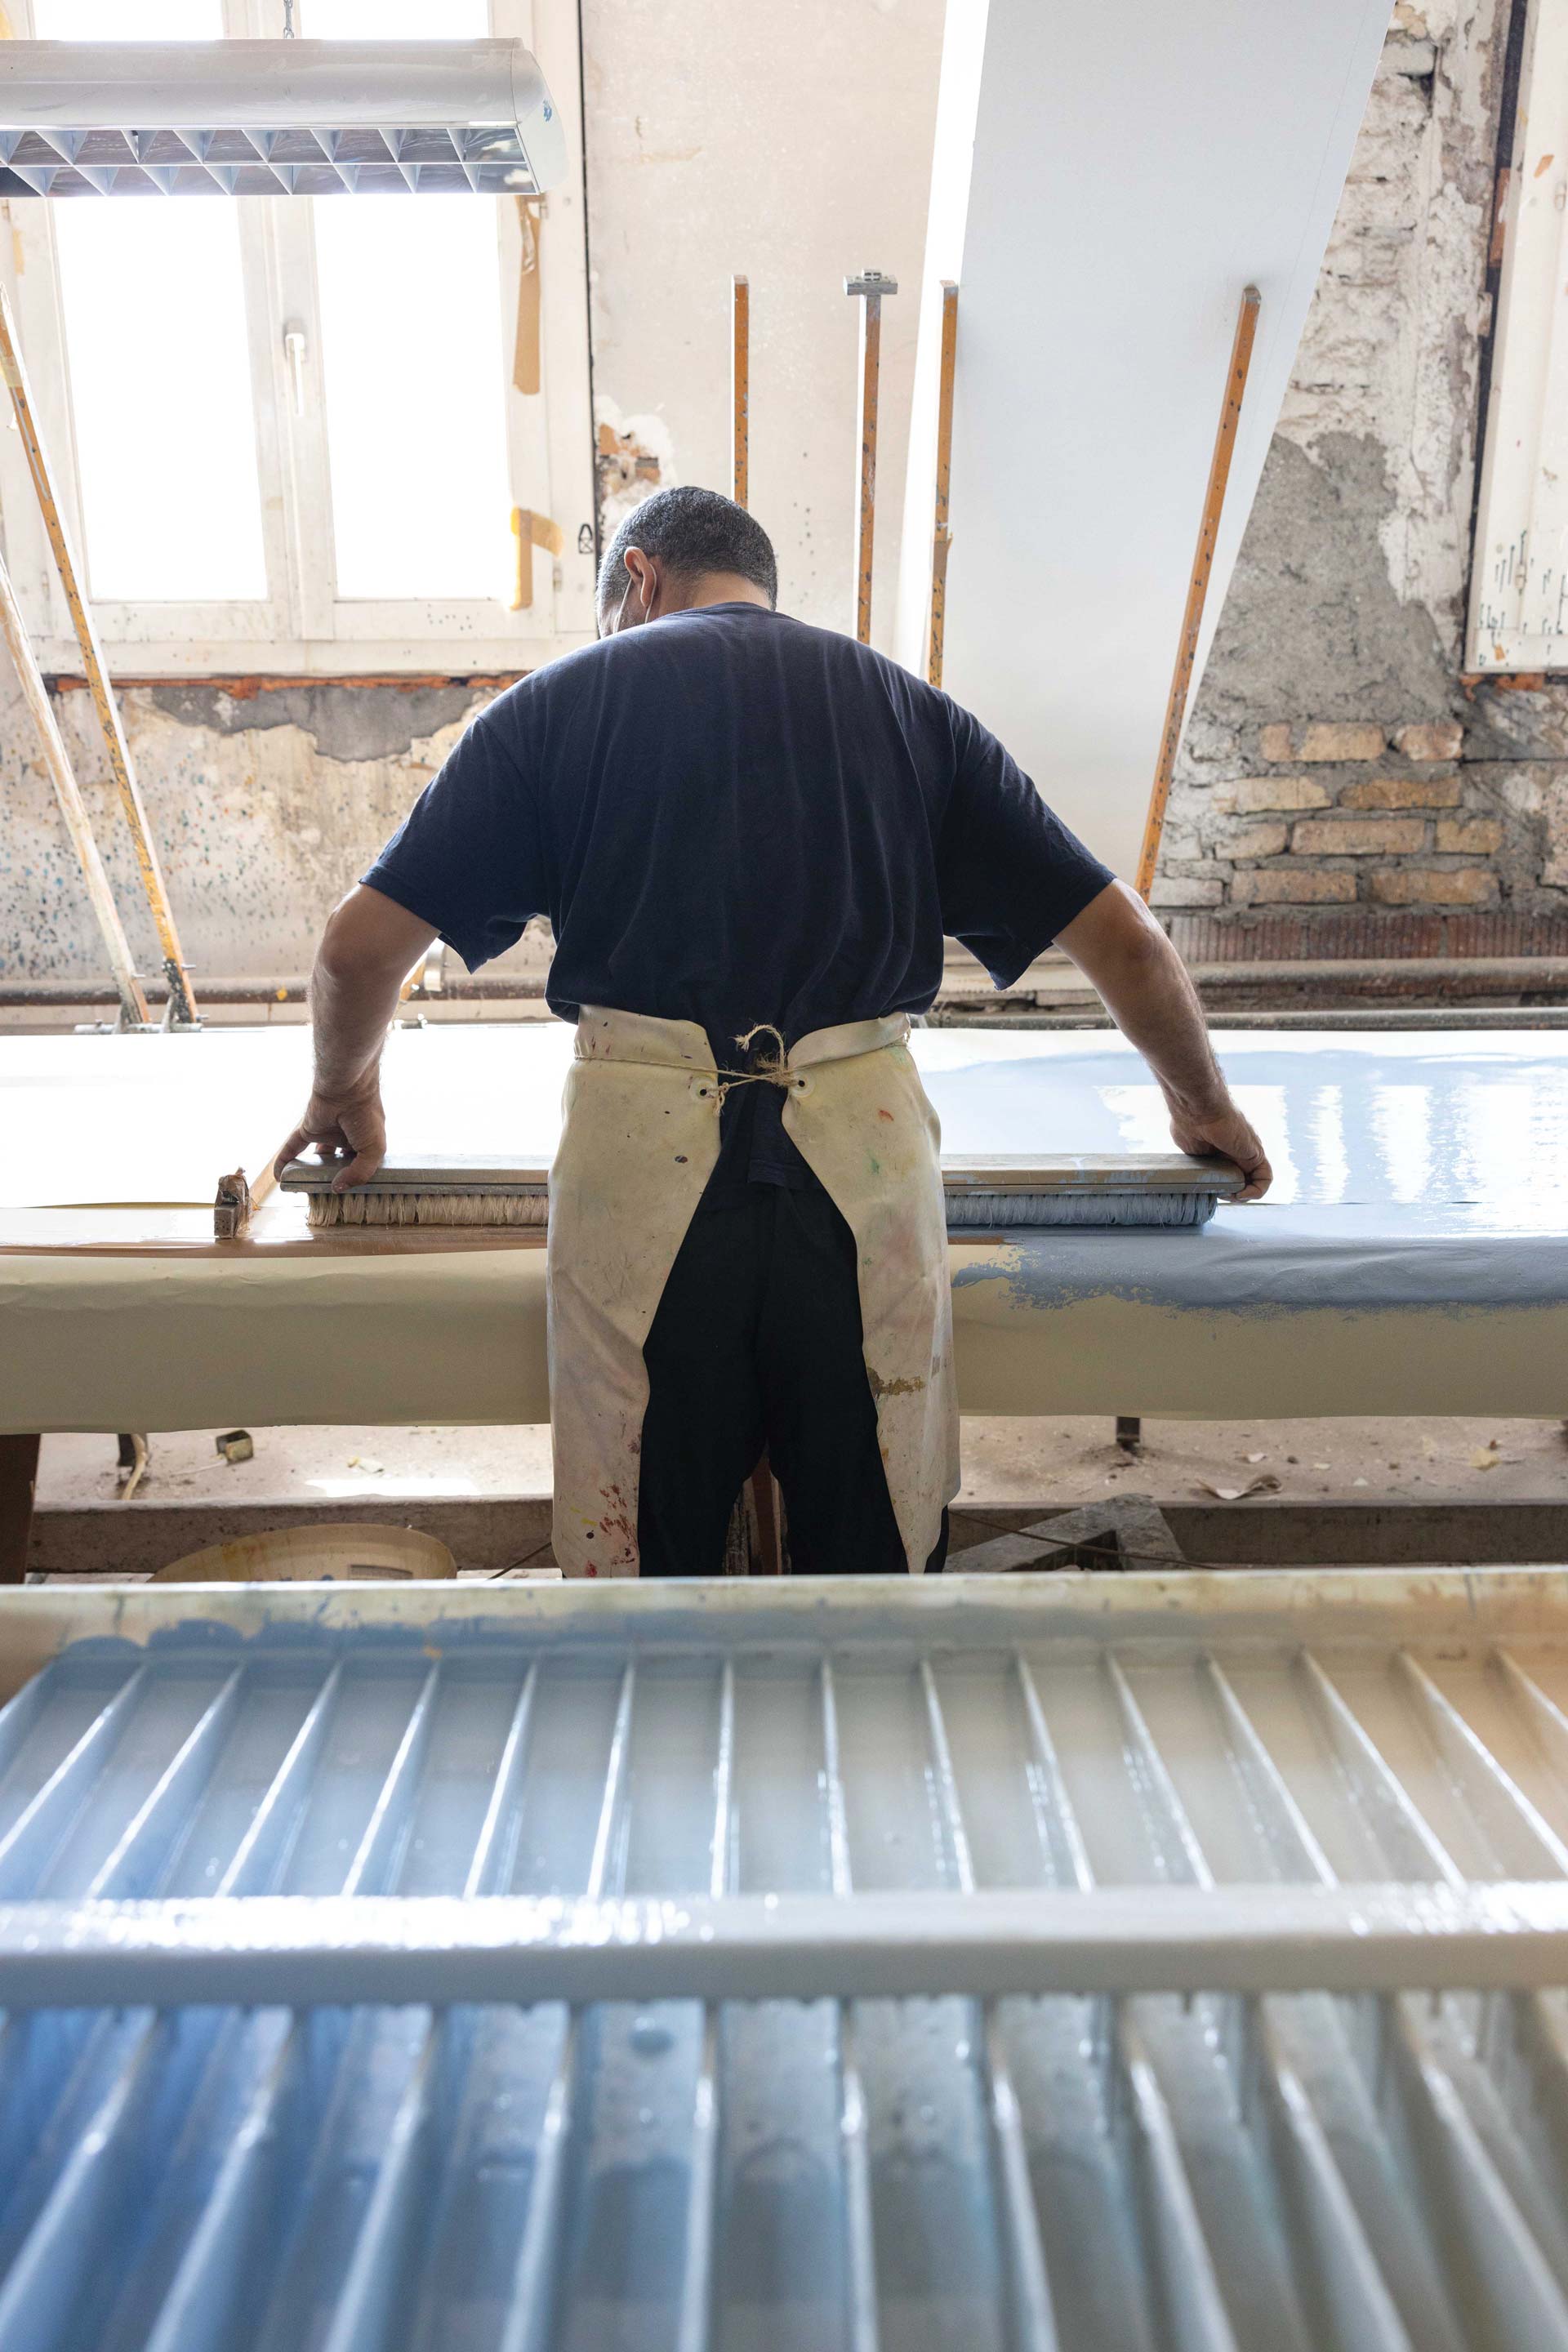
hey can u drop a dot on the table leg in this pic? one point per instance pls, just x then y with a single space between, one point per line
766 1500
19 1479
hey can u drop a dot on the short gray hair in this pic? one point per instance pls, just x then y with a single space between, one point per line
690 532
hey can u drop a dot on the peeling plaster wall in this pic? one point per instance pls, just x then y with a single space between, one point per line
264 809
1334 690
1384 397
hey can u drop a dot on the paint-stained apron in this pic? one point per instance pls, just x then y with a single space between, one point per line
638 1144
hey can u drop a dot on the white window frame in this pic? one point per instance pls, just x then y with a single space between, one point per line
301 627
1519 589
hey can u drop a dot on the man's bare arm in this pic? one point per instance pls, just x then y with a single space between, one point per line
370 946
1119 948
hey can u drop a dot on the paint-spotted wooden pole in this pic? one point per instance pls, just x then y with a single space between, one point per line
941 538
530 530
871 286
36 695
1197 587
740 390
182 1003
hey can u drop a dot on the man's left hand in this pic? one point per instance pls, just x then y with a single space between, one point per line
351 1127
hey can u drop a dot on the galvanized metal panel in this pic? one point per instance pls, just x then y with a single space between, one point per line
1284 2170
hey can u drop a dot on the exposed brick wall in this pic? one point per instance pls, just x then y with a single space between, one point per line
1469 812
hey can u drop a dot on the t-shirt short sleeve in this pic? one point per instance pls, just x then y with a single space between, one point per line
467 856
1011 873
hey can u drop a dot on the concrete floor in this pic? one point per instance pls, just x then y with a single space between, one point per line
1058 1461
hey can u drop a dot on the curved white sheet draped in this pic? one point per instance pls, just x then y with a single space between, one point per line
1105 184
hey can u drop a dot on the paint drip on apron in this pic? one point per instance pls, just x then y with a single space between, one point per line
640 1141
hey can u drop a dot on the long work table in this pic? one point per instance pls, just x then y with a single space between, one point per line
1412 1257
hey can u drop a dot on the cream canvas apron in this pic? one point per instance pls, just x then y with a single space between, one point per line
639 1142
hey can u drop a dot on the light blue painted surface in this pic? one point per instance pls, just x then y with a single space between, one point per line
1411 1168
1282 1260
917 2176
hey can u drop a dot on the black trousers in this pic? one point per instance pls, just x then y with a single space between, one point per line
757 1343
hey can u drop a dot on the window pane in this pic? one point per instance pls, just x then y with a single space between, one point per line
394 20
159 366
411 329
108 20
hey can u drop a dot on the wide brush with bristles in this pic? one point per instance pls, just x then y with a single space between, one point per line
453 1191
1013 1190
367 1208
984 1212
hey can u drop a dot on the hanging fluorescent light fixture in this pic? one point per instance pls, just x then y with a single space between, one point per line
292 117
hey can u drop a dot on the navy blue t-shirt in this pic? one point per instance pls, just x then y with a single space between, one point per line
731 818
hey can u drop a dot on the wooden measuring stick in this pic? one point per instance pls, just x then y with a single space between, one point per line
764 1502
525 362
871 286
941 539
740 390
1197 587
531 531
181 1002
68 792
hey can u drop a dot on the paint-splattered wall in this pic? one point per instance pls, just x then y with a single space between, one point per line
791 143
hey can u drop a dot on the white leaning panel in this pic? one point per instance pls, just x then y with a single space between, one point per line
1519 597
1104 187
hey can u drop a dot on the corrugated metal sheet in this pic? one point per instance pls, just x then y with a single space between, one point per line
1210 2172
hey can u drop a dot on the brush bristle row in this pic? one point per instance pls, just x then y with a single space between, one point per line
336 1208
970 1212
983 1211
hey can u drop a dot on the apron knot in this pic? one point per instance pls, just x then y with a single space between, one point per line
773 1069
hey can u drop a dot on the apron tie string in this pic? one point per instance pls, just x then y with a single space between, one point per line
775 1072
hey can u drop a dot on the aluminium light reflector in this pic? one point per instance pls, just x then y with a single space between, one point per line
275 118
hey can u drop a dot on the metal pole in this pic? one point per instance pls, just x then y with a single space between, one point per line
182 1004
36 694
871 286
1197 587
741 389
941 539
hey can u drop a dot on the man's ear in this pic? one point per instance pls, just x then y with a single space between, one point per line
645 582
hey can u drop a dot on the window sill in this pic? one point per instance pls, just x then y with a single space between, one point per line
393 663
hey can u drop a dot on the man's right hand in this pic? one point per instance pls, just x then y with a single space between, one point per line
1221 1132
351 1127
1121 949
